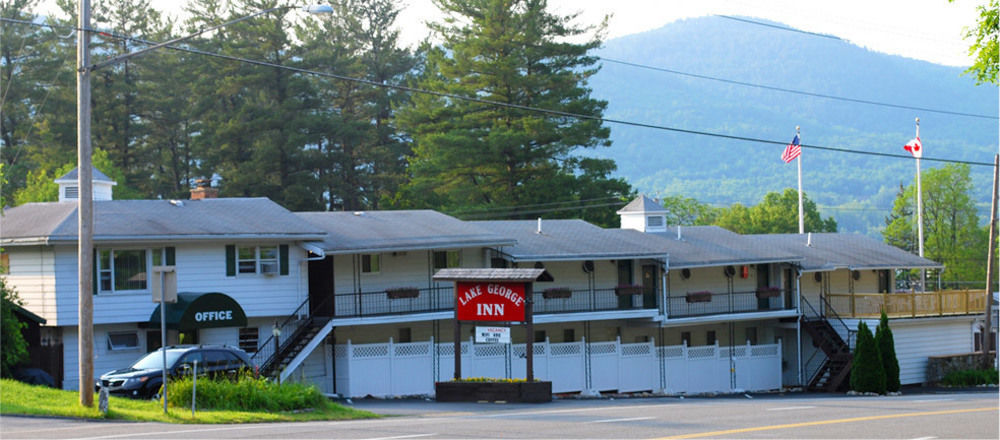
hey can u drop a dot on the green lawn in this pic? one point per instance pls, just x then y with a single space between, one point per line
19 398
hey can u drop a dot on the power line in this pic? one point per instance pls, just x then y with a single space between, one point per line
797 92
784 28
561 113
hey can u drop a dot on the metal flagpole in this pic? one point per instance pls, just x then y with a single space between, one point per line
802 225
920 213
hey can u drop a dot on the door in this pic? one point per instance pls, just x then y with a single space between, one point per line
649 286
625 279
883 281
763 281
321 300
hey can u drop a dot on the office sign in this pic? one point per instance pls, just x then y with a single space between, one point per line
489 301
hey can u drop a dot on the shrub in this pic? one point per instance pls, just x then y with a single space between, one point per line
867 374
13 347
887 351
971 378
246 394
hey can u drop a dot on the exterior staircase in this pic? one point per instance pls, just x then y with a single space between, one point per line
291 347
832 375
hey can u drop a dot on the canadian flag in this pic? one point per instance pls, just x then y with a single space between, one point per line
915 148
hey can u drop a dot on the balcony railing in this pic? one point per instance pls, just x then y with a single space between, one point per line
908 305
587 300
695 304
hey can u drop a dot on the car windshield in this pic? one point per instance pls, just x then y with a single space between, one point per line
154 360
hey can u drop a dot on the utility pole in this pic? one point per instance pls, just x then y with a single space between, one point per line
85 210
987 339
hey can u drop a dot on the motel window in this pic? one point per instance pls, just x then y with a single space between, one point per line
371 263
123 341
540 335
405 335
447 259
686 338
249 338
569 335
124 270
710 337
265 260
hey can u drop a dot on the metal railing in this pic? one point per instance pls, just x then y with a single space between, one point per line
736 302
589 300
911 304
287 329
814 364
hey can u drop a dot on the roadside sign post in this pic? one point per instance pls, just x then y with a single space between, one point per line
164 291
493 295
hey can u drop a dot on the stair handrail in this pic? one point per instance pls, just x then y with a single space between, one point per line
291 325
851 333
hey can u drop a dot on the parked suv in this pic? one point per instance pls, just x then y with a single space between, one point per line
143 378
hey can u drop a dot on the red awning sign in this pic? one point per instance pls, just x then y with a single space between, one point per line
496 301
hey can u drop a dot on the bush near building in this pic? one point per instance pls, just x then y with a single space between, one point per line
887 351
867 373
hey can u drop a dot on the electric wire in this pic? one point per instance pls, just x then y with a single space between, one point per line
784 28
797 92
561 113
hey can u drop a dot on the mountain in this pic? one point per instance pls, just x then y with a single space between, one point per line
857 190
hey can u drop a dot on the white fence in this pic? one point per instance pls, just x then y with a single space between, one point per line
394 369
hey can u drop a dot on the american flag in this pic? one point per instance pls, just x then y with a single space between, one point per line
792 150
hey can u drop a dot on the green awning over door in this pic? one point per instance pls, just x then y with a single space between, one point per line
194 311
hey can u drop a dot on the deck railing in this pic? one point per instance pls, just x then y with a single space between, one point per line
908 305
712 303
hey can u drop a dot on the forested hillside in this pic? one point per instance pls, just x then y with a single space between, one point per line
858 190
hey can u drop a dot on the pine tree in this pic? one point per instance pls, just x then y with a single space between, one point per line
887 351
867 374
471 156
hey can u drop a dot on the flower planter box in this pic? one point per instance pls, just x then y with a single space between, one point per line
628 290
402 292
526 392
698 297
768 292
557 292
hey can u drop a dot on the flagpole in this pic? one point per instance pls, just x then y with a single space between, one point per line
802 225
920 213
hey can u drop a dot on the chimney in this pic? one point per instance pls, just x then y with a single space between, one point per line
203 190
539 231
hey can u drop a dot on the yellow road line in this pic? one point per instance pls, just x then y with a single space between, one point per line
829 422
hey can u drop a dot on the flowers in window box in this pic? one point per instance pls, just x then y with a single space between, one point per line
628 289
768 292
557 292
697 297
402 292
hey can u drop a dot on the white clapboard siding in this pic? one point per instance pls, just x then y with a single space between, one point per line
32 274
917 339
200 268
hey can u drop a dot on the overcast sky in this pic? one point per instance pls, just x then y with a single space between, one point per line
930 30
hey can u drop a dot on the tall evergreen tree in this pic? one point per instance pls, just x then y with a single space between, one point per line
867 374
471 156
887 351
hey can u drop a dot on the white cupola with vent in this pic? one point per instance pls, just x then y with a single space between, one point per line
644 214
69 186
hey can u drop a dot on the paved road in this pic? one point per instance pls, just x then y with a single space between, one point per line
915 416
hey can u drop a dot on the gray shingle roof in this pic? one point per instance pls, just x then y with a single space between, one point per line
138 220
714 246
642 204
380 231
831 251
97 176
573 240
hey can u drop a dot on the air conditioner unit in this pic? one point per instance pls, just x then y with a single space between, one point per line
269 268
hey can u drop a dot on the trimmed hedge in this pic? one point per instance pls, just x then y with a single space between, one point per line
965 378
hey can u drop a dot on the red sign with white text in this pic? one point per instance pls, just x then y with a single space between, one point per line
485 301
